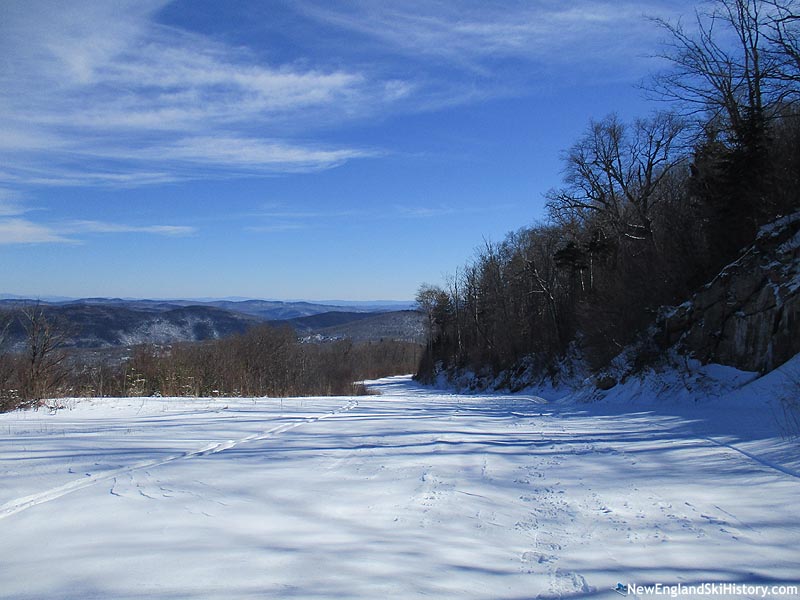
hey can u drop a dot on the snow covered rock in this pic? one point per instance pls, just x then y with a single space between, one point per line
749 315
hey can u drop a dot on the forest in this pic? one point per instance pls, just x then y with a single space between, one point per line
648 211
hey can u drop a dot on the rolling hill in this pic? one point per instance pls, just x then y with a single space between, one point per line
112 322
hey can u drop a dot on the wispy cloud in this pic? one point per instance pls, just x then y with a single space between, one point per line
254 154
103 227
424 212
25 231
10 205
435 212
276 217
101 93
278 227
280 211
104 93
474 34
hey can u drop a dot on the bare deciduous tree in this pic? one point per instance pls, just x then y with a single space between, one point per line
784 33
428 300
614 171
6 364
42 368
733 67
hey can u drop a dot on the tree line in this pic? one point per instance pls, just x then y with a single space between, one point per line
648 210
263 361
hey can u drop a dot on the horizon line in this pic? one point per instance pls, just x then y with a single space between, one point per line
57 298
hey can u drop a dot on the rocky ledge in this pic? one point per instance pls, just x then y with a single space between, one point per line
749 315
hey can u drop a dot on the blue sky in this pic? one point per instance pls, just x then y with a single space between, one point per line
309 149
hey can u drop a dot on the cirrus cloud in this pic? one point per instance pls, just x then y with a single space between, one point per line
110 93
23 231
102 93
17 230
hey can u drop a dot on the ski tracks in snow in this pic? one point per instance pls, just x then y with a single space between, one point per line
17 505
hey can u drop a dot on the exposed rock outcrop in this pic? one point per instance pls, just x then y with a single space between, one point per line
749 315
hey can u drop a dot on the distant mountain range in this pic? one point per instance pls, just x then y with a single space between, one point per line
324 305
110 322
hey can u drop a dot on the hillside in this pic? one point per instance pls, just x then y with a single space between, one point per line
319 321
277 310
403 325
109 322
88 325
747 316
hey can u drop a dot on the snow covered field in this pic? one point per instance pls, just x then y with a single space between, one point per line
413 493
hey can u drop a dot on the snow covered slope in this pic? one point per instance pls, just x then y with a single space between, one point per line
414 493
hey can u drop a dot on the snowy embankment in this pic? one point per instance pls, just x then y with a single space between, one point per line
411 493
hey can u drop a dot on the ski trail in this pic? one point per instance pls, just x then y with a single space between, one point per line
18 505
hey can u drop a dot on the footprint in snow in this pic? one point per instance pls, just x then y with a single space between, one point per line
567 583
536 557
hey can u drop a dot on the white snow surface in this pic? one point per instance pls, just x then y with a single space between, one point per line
414 493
